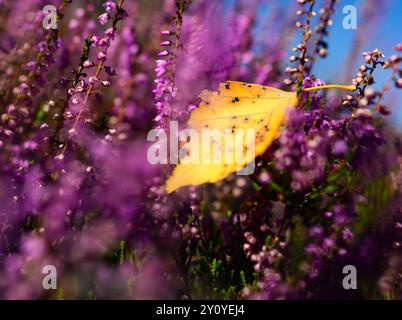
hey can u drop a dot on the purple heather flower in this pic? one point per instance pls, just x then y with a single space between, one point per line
103 18
340 148
309 82
110 71
347 234
109 6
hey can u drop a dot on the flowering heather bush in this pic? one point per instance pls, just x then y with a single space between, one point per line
77 191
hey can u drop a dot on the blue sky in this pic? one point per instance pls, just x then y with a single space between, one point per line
383 32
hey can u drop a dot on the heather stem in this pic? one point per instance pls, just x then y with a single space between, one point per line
50 40
322 32
306 37
116 18
181 5
78 74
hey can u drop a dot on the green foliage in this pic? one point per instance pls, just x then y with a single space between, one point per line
377 193
297 244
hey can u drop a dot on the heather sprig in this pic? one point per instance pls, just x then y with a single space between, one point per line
103 43
321 30
165 89
302 58
46 49
366 96
395 76
75 79
370 17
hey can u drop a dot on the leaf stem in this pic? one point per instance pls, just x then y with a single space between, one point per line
331 86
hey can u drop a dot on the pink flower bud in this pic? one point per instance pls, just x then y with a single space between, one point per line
88 64
93 80
398 47
163 53
101 56
167 33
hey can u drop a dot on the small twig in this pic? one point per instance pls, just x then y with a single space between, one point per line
116 18
181 5
325 21
78 74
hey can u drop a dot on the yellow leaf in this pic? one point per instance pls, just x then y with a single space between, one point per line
226 114
235 108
